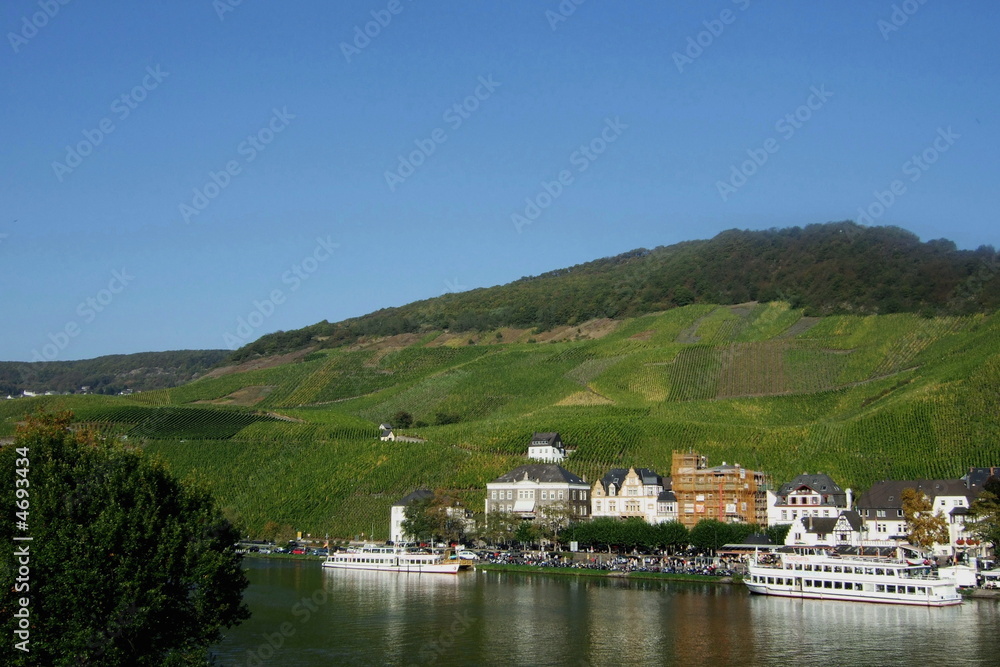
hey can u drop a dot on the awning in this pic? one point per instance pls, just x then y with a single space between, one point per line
524 505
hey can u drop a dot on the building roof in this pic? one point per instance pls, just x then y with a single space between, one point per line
888 494
853 519
820 483
541 473
419 494
666 497
820 525
550 439
976 477
616 476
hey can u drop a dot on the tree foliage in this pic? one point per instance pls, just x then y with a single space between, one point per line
925 528
606 533
984 515
833 268
438 517
128 566
109 374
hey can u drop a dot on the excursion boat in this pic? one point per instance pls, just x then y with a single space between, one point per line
851 578
391 559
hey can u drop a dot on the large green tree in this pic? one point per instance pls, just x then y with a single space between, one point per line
126 565
984 514
437 517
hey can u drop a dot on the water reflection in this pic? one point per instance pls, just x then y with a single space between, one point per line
343 617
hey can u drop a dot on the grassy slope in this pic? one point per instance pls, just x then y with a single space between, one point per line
861 398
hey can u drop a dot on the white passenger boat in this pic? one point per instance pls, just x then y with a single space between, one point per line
391 559
852 578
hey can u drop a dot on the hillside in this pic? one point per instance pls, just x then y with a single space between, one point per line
295 444
835 268
109 374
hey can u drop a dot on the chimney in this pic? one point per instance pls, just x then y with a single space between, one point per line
850 499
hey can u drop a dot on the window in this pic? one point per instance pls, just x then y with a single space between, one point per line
545 495
784 515
493 494
510 494
560 495
880 514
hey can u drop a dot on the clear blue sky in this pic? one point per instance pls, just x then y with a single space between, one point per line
115 113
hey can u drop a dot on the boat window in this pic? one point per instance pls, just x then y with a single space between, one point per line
921 590
879 571
890 589
828 584
827 568
837 569
838 584
879 588
912 590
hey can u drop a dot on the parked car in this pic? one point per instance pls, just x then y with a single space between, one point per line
299 551
468 555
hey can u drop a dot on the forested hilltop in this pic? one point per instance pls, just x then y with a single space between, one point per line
824 269
111 374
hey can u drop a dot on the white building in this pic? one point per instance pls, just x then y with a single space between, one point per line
845 530
547 447
635 492
397 514
527 489
807 496
881 508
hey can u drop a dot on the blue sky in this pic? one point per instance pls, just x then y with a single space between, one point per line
196 176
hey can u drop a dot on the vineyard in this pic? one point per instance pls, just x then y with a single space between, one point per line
861 398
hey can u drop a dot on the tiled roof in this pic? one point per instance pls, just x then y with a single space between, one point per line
419 494
540 472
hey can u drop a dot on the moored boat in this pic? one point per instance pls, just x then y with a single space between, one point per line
391 559
850 578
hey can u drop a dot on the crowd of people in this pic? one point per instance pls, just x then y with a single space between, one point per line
692 565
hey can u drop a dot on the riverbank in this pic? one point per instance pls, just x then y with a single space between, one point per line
590 572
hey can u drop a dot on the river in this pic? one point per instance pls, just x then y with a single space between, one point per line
304 615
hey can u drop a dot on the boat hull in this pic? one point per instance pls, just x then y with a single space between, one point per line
789 592
443 568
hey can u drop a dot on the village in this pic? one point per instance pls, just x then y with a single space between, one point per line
817 511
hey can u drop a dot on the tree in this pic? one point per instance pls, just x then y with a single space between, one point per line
710 534
924 527
402 419
984 515
526 533
437 517
672 535
553 518
126 566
